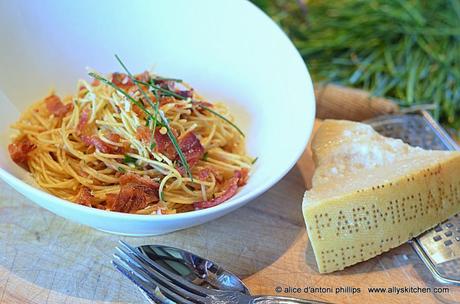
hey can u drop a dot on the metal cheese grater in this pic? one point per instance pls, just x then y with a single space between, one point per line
439 248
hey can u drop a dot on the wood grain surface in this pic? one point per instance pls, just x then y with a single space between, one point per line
46 259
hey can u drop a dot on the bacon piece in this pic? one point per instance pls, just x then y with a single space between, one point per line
185 93
141 99
150 95
111 199
138 111
100 145
56 107
83 122
117 139
124 82
144 134
230 190
87 140
166 84
132 91
93 140
164 145
136 193
105 147
203 174
19 151
144 77
192 148
189 144
114 137
244 177
121 80
85 197
166 99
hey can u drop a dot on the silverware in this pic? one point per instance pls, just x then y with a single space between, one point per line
193 268
171 275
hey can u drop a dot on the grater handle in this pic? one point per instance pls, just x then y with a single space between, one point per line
449 144
448 141
430 265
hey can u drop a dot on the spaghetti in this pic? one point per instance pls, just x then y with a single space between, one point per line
142 144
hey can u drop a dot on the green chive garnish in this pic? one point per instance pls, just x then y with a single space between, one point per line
173 94
167 79
154 117
222 117
164 120
109 83
147 121
129 159
163 90
156 110
175 143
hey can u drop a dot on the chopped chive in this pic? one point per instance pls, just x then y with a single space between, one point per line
129 159
163 90
121 170
205 156
138 87
254 160
154 106
152 137
156 111
176 144
107 82
222 117
147 121
171 93
167 79
164 121
156 124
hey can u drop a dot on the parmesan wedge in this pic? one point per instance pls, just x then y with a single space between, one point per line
371 193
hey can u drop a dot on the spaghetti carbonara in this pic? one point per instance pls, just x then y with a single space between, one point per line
136 144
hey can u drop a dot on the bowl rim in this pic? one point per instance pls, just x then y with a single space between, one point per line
16 182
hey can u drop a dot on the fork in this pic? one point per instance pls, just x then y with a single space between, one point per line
162 286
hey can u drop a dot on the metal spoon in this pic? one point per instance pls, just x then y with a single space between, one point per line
193 268
197 270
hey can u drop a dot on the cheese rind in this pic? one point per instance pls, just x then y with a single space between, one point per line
354 215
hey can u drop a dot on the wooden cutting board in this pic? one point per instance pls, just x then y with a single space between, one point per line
46 259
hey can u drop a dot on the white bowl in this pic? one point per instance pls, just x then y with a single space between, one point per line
228 50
